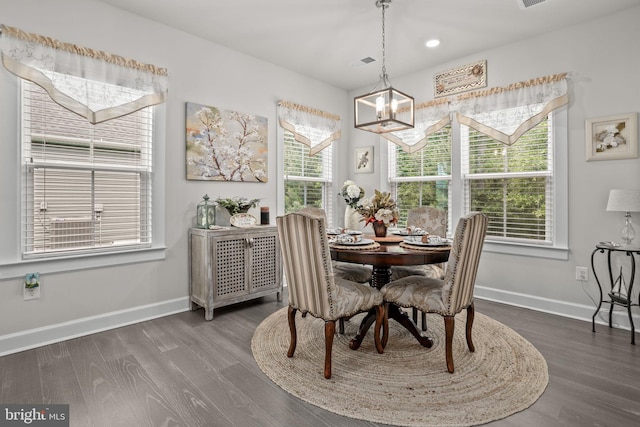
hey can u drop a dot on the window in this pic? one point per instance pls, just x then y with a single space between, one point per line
517 186
85 187
511 184
307 179
422 178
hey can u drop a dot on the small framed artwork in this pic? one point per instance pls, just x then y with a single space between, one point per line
612 137
363 160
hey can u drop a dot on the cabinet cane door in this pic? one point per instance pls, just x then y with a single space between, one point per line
229 267
264 262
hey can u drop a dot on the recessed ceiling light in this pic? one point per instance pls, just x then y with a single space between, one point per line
432 43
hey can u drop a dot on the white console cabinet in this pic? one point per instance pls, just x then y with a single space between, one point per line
233 265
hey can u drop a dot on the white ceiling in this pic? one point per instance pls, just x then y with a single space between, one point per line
326 39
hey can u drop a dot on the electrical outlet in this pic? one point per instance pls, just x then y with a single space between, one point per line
582 274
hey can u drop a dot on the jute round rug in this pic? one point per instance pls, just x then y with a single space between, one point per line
408 385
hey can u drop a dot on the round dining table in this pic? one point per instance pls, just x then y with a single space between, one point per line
382 258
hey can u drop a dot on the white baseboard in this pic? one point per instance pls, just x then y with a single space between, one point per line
20 341
560 308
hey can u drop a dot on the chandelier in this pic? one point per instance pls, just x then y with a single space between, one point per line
384 109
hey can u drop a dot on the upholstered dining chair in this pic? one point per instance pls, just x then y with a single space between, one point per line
313 287
448 296
433 221
346 270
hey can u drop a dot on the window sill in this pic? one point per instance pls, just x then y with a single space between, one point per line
9 270
550 252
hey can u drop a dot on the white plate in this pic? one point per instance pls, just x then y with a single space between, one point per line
406 233
444 242
335 231
358 243
243 220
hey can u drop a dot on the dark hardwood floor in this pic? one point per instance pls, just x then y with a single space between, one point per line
183 371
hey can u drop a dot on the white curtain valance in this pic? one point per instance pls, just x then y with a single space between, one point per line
505 114
314 128
93 84
430 117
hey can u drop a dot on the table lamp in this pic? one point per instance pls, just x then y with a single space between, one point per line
625 201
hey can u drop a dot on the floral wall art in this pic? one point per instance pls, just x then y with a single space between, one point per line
225 145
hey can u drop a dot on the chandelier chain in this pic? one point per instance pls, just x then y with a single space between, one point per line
384 66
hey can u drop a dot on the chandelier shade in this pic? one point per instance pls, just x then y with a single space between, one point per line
384 109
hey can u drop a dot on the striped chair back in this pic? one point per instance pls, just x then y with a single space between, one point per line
307 263
462 267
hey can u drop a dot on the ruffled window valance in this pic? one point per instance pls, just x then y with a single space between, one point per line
314 128
506 113
93 84
503 113
430 117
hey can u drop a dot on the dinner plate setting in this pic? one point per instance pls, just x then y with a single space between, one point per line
409 231
432 241
337 231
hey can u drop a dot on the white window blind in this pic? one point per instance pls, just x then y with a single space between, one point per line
85 187
422 178
511 184
307 179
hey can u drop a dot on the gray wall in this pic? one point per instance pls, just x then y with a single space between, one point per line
602 63
200 72
601 57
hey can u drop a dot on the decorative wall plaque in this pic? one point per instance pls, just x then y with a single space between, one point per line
461 79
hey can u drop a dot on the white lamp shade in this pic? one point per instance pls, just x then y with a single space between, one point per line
624 201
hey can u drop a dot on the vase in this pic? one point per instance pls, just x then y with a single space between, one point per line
379 229
351 219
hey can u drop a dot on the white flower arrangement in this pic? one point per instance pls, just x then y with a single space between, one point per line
352 193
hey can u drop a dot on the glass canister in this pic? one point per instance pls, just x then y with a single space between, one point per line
206 213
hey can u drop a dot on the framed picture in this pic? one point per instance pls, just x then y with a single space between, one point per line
461 79
363 160
612 137
225 145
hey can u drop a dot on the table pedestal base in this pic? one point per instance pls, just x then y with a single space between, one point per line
396 314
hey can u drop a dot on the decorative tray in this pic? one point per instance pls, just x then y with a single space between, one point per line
243 220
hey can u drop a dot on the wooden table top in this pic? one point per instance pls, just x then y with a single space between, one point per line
390 253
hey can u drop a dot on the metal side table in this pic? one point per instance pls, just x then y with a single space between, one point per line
620 293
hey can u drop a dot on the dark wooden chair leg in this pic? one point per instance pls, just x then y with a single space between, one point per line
329 331
291 315
414 315
449 326
341 326
470 315
380 323
385 326
424 321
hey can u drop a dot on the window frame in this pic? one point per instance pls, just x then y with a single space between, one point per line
394 179
12 264
326 181
558 248
458 205
81 153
